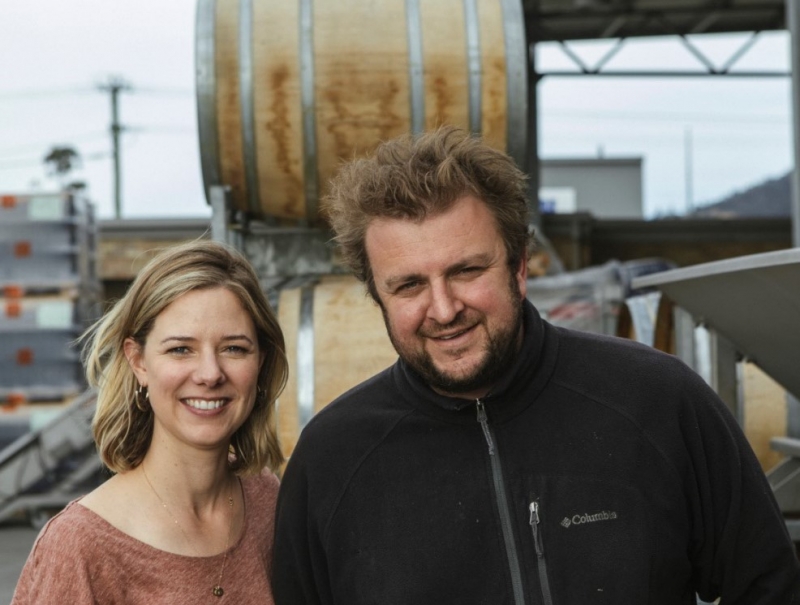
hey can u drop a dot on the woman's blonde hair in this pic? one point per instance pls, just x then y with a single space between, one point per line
121 429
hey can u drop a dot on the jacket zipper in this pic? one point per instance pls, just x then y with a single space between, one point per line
502 506
537 541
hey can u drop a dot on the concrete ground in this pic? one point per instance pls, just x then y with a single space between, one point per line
16 540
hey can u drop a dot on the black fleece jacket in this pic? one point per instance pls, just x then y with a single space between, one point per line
597 471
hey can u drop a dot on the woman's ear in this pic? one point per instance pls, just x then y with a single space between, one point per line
133 353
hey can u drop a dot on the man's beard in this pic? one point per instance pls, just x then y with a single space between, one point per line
499 354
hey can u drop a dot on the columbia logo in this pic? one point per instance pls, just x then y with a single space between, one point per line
606 515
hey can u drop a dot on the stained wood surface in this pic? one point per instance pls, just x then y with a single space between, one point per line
288 419
444 47
494 93
229 115
361 89
350 345
278 108
361 78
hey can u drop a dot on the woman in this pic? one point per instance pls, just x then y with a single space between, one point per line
187 367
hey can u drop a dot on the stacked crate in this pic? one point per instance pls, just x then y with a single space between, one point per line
49 292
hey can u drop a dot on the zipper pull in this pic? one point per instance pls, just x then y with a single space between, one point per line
533 507
484 420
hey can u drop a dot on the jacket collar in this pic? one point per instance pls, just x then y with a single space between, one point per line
512 393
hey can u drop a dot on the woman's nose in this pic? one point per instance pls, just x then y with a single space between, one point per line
208 370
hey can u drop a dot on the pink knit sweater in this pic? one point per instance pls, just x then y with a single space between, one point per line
79 558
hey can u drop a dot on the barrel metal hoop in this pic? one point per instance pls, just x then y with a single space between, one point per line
305 355
307 97
246 92
473 64
516 47
416 69
206 85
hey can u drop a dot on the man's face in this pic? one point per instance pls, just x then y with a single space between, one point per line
452 307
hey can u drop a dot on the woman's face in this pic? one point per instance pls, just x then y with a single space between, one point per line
200 364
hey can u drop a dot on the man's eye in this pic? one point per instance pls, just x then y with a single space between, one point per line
410 285
470 270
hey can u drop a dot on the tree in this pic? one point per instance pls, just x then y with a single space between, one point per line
60 161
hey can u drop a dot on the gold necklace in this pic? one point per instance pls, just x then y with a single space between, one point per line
217 590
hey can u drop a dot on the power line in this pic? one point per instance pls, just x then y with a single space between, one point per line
43 93
182 92
74 90
88 136
161 129
667 116
30 162
100 134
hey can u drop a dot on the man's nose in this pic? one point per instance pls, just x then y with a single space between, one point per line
444 303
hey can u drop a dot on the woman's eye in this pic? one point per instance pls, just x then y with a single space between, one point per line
179 350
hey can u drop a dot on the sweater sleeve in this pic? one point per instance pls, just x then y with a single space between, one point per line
57 570
741 549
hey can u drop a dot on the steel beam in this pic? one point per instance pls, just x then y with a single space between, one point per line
793 24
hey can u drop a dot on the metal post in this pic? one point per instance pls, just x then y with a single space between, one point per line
792 416
724 377
793 24
532 164
687 144
532 167
684 337
218 198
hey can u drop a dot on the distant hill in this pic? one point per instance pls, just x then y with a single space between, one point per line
771 198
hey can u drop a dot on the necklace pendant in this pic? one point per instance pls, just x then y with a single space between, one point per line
217 591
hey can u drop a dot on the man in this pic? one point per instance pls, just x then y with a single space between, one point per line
502 460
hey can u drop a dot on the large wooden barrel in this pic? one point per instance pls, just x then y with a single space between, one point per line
287 89
335 338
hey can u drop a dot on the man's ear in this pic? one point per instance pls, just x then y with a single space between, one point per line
133 353
521 275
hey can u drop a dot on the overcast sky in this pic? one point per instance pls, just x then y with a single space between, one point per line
56 53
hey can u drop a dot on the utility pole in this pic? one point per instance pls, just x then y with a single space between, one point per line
687 168
115 85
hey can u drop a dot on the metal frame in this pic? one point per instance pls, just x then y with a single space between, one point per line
793 23
553 20
278 254
34 469
785 479
697 289
206 85
707 66
752 301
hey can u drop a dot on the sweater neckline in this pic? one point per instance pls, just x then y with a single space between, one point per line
148 549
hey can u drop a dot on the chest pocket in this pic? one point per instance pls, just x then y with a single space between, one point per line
590 540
